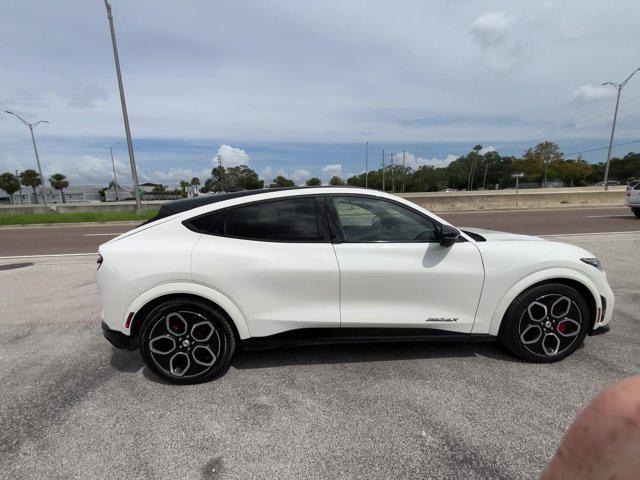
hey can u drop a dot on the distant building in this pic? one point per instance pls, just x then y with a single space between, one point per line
124 193
71 195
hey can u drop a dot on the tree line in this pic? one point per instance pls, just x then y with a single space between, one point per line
11 183
541 165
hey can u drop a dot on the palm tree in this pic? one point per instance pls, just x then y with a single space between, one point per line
195 181
10 184
30 178
183 185
59 182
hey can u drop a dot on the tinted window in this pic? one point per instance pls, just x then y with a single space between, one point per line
202 224
366 219
283 220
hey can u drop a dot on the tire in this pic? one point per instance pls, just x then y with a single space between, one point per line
187 341
555 312
636 212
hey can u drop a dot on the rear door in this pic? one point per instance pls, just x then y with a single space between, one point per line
394 273
274 259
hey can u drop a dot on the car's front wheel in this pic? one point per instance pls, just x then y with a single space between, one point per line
545 324
186 341
636 212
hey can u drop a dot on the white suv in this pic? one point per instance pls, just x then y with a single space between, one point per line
633 199
320 265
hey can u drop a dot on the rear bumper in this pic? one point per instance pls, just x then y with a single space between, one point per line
118 339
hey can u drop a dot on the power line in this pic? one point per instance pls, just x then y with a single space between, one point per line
601 148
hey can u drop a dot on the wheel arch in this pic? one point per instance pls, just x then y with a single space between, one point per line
574 279
157 295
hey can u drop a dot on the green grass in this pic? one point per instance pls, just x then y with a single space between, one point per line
29 218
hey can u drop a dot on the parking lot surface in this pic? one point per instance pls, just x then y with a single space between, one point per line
71 406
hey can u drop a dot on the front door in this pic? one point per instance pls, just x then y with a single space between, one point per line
394 273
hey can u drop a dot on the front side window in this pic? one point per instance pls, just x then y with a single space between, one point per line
290 220
365 219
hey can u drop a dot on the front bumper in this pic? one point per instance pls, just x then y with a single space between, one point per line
118 339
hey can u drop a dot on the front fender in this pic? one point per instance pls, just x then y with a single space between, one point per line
208 293
527 282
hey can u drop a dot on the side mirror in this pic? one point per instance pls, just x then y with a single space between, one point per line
448 235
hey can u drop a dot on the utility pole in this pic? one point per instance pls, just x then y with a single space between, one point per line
393 175
19 187
31 126
383 185
366 164
125 115
219 157
618 87
115 179
404 170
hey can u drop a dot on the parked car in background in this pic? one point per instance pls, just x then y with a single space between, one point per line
610 183
633 199
632 184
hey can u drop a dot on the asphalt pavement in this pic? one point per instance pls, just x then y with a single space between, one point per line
55 240
71 406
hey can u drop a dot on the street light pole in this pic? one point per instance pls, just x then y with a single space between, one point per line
19 188
31 126
618 87
366 164
383 169
125 115
113 164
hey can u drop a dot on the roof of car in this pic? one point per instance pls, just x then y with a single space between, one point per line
179 206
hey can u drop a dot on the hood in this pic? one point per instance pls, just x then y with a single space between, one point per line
495 236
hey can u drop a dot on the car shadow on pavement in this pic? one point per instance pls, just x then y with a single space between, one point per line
127 361
370 352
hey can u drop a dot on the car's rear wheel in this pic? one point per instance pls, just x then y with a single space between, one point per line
636 212
545 324
187 341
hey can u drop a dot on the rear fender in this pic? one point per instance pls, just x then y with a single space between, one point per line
196 289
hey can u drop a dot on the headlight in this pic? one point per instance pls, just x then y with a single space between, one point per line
594 262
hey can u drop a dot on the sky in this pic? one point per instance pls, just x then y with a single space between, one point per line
296 88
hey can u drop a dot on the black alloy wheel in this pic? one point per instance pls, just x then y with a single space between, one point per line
545 324
187 341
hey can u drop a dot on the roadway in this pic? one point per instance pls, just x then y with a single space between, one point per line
70 239
71 406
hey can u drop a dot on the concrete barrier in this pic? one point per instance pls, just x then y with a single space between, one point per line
505 199
79 207
436 201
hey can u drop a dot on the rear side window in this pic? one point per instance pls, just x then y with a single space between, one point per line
290 220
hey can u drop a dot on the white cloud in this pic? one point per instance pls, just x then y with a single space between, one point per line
490 29
300 176
89 170
173 176
592 93
231 156
334 169
573 31
484 150
416 162
267 174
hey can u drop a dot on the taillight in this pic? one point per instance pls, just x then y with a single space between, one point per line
99 262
